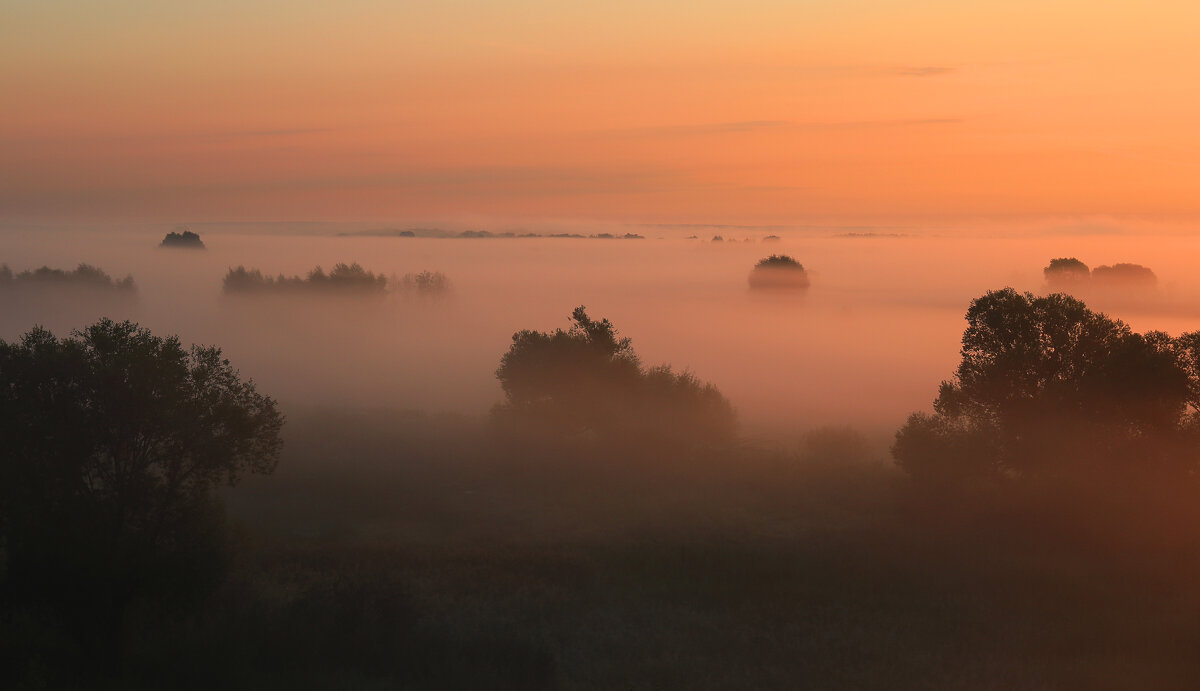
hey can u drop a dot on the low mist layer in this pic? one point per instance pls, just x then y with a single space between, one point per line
880 320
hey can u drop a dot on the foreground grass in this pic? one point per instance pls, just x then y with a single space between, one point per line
415 552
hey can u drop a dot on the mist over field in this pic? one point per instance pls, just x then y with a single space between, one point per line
863 346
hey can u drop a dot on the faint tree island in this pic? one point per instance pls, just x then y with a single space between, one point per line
184 239
778 272
1124 276
424 284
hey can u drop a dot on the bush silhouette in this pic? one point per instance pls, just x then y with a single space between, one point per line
184 239
344 279
114 440
778 272
586 381
1048 388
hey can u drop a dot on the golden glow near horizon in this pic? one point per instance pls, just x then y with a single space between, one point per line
762 112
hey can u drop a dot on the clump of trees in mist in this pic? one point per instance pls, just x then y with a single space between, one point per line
1065 273
1124 276
344 279
587 381
114 442
778 272
1050 390
1069 273
424 284
184 239
83 276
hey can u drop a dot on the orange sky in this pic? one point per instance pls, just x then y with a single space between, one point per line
736 112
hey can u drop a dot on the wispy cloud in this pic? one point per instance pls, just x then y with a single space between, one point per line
701 128
717 128
923 71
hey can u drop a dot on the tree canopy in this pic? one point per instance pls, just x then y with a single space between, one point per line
1065 272
113 442
1048 388
588 380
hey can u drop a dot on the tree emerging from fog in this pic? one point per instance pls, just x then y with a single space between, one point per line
1124 276
83 276
344 279
588 381
183 239
114 440
425 283
778 272
1048 388
1065 273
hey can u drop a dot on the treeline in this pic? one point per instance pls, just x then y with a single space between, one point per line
486 234
344 279
83 276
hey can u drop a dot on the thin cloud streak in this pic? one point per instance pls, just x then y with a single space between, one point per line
716 128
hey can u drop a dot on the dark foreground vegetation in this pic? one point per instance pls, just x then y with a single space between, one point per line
84 276
344 279
410 550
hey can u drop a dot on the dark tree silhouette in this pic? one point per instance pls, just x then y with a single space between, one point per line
114 440
588 381
84 276
1048 388
344 279
184 239
1066 272
778 272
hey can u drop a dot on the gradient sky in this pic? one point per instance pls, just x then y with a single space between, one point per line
701 112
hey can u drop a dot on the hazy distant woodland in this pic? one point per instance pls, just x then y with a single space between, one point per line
459 505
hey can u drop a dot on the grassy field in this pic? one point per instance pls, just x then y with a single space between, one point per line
409 551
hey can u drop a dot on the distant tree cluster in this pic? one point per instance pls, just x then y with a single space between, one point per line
425 283
1067 273
778 272
588 381
84 276
184 239
1050 389
344 279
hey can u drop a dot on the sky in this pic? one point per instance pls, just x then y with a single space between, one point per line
758 111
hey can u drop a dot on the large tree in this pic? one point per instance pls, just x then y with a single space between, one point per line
1047 387
113 442
587 380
